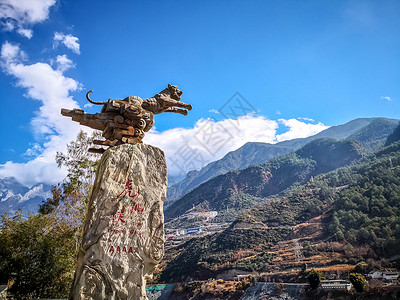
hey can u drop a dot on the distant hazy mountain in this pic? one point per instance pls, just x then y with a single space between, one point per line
370 132
14 195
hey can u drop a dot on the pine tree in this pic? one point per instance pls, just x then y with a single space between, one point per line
314 279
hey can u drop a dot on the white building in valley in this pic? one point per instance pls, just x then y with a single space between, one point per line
385 275
336 285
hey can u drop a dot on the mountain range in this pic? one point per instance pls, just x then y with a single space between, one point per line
14 196
370 132
241 189
347 214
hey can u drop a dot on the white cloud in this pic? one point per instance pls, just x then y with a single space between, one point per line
11 53
64 63
386 98
298 129
20 14
51 88
8 25
34 151
28 33
70 41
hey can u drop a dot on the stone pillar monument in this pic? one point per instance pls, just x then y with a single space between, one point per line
124 231
123 237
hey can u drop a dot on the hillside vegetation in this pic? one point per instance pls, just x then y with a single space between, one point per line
374 135
357 206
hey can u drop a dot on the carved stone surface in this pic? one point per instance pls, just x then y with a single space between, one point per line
123 237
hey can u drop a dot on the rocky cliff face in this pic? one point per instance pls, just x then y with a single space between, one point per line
124 231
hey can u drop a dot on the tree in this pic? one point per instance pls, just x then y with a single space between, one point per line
358 281
70 198
314 279
52 203
38 254
81 166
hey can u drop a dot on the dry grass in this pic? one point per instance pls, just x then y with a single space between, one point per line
225 289
334 268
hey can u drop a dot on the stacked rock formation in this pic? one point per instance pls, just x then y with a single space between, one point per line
123 237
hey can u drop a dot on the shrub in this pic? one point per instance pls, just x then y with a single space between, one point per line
314 279
358 281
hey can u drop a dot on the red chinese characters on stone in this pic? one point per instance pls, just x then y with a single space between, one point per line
128 191
126 215
118 217
135 207
120 250
131 231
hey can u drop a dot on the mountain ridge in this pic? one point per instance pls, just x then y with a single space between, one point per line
253 153
241 189
14 196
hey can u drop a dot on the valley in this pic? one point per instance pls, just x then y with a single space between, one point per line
327 206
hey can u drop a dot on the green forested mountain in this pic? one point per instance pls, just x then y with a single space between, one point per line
358 206
370 132
242 189
374 135
394 136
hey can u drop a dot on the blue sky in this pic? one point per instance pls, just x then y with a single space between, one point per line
303 65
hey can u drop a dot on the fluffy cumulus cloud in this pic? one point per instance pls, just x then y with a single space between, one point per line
299 129
52 89
11 54
64 63
20 15
35 150
69 41
28 33
209 140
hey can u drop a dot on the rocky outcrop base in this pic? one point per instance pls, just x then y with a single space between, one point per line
123 237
